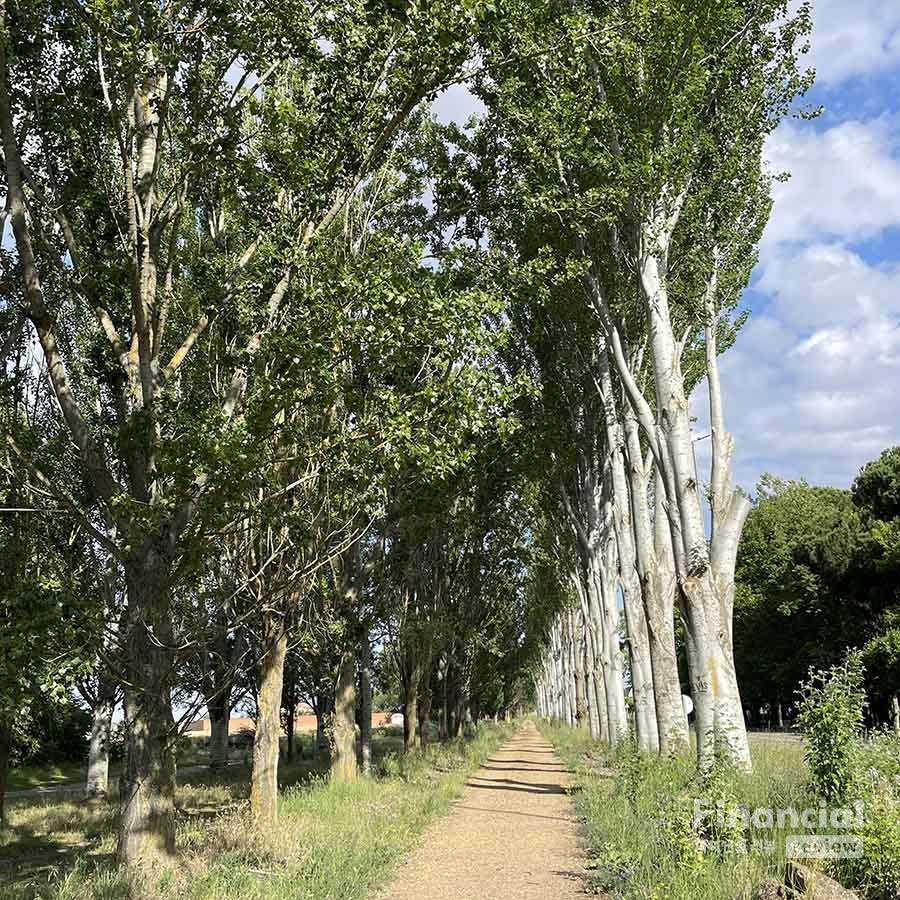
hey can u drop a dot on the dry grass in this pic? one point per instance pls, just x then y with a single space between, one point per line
333 842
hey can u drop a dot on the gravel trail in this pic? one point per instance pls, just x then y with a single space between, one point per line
512 836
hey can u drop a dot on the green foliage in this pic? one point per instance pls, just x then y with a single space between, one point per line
831 717
877 487
809 585
58 733
877 873
881 656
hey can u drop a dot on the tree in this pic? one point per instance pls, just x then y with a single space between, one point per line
179 207
633 160
800 602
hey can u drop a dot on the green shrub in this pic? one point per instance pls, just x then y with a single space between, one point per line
831 717
877 873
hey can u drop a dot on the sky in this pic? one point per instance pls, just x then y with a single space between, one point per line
812 385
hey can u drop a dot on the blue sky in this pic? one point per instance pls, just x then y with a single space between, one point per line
813 382
812 385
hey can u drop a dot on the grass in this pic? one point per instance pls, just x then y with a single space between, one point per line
333 842
637 825
639 829
39 776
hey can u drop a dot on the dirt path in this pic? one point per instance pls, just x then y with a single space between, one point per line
512 836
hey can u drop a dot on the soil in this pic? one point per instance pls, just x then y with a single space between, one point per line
512 836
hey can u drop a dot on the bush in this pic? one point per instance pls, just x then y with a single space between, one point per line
831 717
844 768
243 740
876 874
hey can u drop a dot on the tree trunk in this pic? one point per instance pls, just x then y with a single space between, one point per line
463 708
147 815
365 704
466 718
571 669
411 685
343 760
411 720
452 689
660 587
591 692
706 571
604 589
321 736
424 705
597 717
629 579
219 716
670 718
5 752
895 714
557 658
97 782
443 677
264 775
578 650
289 703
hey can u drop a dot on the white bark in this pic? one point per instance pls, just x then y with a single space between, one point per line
629 580
613 663
673 723
706 574
97 782
596 709
656 570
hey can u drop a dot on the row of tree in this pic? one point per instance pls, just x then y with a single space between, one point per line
294 374
642 194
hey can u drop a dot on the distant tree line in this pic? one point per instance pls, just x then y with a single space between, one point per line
818 573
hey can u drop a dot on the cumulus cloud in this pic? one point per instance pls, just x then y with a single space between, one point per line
844 181
812 395
854 37
818 285
813 383
785 421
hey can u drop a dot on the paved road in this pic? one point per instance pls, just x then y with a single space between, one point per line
512 835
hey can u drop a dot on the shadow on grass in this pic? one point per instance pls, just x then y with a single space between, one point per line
33 855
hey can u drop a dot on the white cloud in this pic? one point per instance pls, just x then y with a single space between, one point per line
814 401
813 383
819 285
844 181
854 37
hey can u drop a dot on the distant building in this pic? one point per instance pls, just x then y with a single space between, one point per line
304 722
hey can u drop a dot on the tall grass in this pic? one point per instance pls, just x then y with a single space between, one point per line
333 842
638 822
